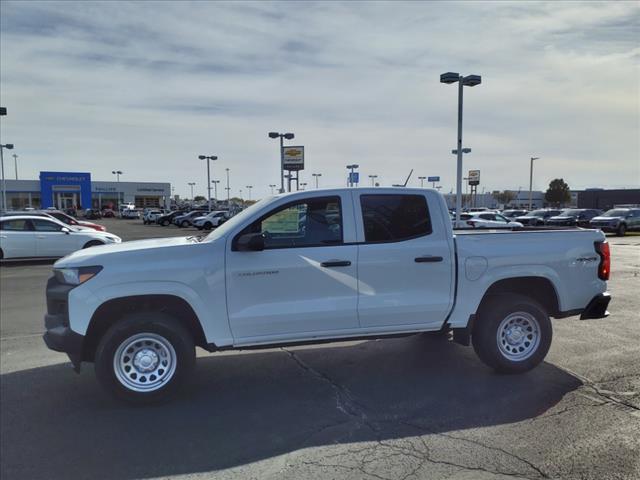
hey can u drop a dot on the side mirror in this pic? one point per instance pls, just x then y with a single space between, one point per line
250 242
65 230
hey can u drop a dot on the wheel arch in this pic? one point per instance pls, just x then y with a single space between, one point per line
109 312
540 289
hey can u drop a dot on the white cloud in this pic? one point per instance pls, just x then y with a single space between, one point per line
146 87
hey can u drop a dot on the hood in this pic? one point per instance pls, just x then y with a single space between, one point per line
156 248
563 217
607 219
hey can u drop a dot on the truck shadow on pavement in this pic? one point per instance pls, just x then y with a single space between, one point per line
249 406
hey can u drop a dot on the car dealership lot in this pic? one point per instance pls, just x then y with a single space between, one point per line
367 409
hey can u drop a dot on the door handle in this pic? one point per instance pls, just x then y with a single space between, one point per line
336 263
428 259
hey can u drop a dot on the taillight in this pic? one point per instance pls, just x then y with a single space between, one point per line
604 268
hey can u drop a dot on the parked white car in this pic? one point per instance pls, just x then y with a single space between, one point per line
487 220
27 236
211 220
150 216
320 265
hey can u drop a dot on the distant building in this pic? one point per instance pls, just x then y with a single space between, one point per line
76 189
606 199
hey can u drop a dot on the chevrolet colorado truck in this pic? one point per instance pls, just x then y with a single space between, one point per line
318 266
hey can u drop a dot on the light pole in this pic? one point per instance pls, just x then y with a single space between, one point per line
531 181
228 188
117 173
8 146
272 186
288 136
373 180
249 187
15 164
191 184
207 158
215 189
469 81
422 179
316 176
352 168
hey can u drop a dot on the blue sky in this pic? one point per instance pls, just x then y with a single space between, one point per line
146 87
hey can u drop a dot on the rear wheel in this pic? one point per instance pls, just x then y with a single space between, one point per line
184 224
165 223
208 226
93 243
622 230
512 333
145 357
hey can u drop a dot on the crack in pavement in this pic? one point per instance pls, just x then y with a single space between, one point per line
347 404
608 394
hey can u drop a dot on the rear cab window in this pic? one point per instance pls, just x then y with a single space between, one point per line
394 217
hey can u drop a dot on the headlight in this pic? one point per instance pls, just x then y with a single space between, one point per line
112 239
75 276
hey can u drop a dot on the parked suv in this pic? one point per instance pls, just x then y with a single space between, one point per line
537 218
166 219
574 217
211 220
187 219
618 221
150 216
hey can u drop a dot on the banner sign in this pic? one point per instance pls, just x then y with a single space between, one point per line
433 179
293 158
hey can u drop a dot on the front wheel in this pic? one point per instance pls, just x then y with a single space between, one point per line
512 333
208 226
622 230
184 224
145 357
165 223
93 243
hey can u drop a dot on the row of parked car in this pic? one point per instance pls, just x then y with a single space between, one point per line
618 220
201 219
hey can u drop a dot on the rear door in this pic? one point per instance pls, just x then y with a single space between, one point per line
405 262
17 239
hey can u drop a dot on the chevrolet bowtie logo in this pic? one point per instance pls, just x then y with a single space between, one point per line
293 153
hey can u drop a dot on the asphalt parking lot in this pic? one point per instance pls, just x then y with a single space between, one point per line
416 407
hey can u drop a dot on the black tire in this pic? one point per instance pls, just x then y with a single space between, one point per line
528 350
1 254
93 243
622 230
184 224
208 226
153 325
165 223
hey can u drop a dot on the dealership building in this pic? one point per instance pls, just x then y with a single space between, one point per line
76 190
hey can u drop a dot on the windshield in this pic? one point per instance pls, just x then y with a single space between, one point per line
536 213
616 212
238 219
570 212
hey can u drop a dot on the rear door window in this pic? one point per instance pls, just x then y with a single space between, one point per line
17 225
393 218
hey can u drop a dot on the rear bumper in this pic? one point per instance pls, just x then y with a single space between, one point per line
597 307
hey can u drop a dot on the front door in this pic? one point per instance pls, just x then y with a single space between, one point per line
405 265
305 280
51 241
17 238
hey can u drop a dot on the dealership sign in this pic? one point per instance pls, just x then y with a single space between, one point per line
293 158
474 177
433 179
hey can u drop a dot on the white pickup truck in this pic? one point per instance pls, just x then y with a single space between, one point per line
316 266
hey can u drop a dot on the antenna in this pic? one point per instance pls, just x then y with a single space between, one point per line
405 182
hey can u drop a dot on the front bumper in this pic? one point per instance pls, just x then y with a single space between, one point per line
610 228
597 307
59 336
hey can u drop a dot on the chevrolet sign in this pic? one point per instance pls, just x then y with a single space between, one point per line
293 158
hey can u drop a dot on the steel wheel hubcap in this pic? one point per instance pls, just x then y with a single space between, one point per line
518 336
144 362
